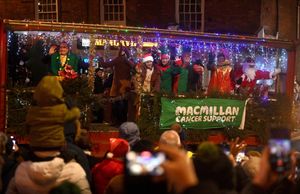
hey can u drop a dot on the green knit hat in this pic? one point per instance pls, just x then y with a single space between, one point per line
208 152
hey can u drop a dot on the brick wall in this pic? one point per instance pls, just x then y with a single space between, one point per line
73 11
94 12
268 16
17 9
222 16
150 13
287 17
228 16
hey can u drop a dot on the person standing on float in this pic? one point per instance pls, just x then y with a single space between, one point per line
165 67
221 80
181 74
121 85
62 58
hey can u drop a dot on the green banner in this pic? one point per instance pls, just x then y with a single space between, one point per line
202 113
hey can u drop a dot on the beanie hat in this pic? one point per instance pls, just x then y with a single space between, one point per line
118 147
48 92
147 57
212 164
130 132
208 152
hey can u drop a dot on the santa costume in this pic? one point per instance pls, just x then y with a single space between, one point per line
248 79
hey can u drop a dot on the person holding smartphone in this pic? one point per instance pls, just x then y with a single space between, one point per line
277 167
180 172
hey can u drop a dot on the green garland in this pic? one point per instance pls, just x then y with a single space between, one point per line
79 90
20 99
259 117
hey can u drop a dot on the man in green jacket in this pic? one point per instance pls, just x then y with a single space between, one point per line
62 58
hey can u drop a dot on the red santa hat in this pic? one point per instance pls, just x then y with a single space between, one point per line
165 56
118 147
147 57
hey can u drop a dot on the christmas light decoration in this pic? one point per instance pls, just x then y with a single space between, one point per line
91 70
266 58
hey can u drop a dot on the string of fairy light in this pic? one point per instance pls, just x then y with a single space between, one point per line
266 58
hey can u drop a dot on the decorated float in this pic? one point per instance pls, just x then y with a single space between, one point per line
215 117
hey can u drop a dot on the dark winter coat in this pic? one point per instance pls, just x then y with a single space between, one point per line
204 187
122 78
155 78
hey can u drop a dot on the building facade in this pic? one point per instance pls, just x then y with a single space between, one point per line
246 17
273 18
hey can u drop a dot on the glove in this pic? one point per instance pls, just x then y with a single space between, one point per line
239 81
178 62
275 72
198 69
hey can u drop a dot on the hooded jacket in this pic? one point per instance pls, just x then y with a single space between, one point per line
46 120
41 177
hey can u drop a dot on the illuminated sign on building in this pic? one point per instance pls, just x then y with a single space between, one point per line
85 42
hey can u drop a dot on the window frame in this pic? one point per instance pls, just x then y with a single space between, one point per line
202 12
38 13
112 22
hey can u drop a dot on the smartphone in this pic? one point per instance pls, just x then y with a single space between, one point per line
13 139
280 154
144 163
240 157
142 173
226 148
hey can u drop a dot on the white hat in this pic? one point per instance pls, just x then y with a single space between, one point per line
147 57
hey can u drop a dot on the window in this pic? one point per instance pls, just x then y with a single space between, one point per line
46 10
113 12
190 14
